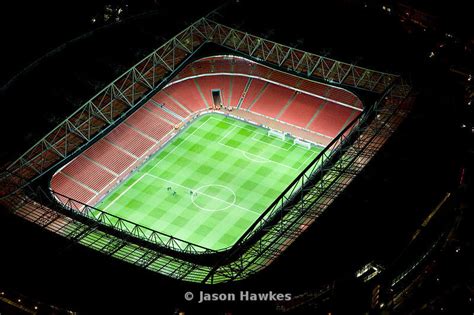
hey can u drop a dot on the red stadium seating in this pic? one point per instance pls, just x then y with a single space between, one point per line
88 173
332 93
261 71
215 82
162 98
344 96
301 110
254 90
314 87
238 86
129 140
272 100
243 66
64 185
109 156
188 71
331 119
160 112
285 78
222 65
202 67
149 124
187 94
87 176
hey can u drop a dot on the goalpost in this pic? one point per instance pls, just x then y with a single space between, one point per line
282 136
303 143
276 133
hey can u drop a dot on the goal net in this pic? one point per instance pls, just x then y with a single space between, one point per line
303 143
275 133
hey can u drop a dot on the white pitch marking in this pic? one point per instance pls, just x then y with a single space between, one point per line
262 160
210 210
280 148
242 151
123 192
305 161
228 133
162 158
213 197
260 157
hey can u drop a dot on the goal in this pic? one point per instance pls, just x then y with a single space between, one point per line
303 143
276 133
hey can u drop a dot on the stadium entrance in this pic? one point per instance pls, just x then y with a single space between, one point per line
216 98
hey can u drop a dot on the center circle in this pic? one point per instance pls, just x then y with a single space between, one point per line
213 197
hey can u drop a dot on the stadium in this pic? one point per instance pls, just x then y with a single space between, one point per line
220 159
165 141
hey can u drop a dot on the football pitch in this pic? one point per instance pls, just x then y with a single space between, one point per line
211 182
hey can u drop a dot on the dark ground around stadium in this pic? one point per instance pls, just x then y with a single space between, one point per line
371 221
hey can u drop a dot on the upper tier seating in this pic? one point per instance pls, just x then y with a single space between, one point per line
255 88
272 100
331 119
301 110
186 93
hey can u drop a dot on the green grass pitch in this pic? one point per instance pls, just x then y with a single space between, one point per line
210 182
